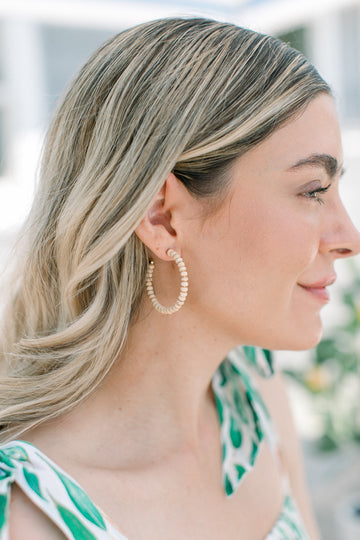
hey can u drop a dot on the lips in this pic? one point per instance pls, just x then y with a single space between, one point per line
318 288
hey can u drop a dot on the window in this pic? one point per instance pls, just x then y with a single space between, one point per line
350 61
2 115
2 145
65 49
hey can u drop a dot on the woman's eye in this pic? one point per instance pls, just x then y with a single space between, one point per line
316 194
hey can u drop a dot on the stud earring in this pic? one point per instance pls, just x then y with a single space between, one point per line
183 286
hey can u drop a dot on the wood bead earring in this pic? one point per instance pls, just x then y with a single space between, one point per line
183 286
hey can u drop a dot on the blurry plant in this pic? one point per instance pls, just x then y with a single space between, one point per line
333 375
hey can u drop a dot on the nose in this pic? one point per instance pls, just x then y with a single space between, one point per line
341 238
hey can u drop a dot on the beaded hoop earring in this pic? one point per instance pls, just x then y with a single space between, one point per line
183 286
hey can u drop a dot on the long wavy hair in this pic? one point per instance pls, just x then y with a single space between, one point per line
181 95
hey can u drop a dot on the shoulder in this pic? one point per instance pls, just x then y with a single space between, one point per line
274 392
18 513
28 521
41 499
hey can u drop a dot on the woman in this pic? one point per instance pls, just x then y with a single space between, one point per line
187 155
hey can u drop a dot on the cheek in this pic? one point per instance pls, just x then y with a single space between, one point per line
245 274
253 256
275 252
276 244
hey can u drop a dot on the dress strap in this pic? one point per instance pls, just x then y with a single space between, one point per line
53 491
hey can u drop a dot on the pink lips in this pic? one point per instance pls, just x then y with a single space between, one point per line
318 289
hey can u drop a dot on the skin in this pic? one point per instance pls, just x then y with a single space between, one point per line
247 265
269 237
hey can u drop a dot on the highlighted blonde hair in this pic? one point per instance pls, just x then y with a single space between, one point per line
182 95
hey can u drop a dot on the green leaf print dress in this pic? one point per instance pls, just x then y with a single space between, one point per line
244 423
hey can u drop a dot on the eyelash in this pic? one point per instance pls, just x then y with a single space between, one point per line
311 194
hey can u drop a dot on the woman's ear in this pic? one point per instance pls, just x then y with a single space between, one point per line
155 229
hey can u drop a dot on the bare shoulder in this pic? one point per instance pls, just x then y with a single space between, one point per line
28 521
275 395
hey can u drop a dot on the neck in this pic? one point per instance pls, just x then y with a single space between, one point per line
166 370
157 399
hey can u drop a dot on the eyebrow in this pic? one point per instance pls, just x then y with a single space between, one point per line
327 162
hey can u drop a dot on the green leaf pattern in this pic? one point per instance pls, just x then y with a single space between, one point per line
243 416
33 482
77 529
3 512
244 422
82 501
289 525
53 491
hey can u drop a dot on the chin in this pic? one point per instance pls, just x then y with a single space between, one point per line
304 339
300 336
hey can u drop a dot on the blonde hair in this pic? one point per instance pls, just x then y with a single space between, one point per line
182 95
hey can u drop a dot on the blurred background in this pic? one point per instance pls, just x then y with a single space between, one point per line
43 44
